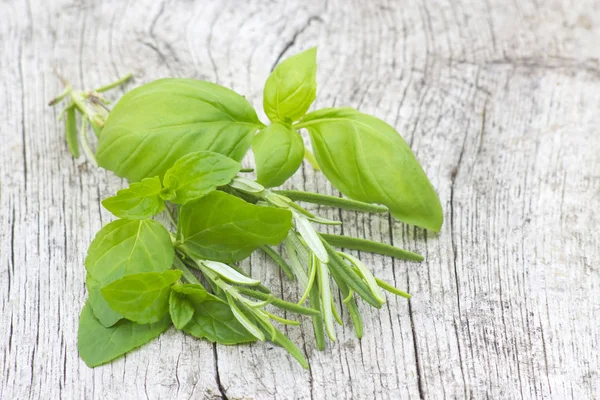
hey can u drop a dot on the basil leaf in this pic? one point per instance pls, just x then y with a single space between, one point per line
180 309
292 87
156 124
142 298
98 345
196 174
367 160
278 151
103 312
140 200
214 320
126 247
224 228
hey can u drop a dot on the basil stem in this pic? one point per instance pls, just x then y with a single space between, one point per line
332 201
349 242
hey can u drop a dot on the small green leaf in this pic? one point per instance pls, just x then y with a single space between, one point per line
367 160
103 312
71 128
156 124
278 151
142 298
292 87
214 320
180 309
181 302
196 292
98 345
224 228
197 174
126 247
140 200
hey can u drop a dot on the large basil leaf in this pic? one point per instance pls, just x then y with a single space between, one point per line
197 174
98 344
292 87
222 227
140 200
214 320
278 151
367 160
142 298
156 124
126 247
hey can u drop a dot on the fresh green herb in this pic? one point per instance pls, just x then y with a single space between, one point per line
180 142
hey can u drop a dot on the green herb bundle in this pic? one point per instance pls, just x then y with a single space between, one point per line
180 142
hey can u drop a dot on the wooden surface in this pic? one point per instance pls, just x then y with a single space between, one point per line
500 101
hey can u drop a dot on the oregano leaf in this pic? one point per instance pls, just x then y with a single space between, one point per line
140 200
213 320
197 174
180 309
142 298
98 344
224 228
126 247
103 312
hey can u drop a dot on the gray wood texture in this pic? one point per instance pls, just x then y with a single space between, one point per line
500 101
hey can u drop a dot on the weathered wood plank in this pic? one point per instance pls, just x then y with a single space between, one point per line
499 102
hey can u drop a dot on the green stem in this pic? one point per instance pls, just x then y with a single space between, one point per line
349 242
332 201
310 157
187 274
386 286
279 261
284 305
114 84
338 267
317 320
85 143
169 213
350 303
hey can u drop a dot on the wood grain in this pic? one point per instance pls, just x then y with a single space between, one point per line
500 102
